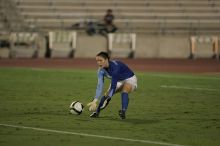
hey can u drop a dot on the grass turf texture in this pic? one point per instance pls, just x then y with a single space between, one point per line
187 115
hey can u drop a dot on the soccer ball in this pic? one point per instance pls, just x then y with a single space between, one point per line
76 107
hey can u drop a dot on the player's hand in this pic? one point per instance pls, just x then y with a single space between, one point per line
92 105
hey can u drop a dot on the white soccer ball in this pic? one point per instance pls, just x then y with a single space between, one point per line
76 108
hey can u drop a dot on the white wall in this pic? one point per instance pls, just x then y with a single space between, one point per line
89 46
146 47
162 47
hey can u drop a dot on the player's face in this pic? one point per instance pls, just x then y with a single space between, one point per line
101 62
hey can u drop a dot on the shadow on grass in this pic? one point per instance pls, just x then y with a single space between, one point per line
134 121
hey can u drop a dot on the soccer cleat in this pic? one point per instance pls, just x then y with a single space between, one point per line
94 115
121 114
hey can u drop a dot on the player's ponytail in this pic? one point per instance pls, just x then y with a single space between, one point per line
105 55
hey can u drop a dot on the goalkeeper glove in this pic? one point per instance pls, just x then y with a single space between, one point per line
92 105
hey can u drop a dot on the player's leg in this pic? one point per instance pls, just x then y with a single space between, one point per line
128 86
105 100
118 89
96 113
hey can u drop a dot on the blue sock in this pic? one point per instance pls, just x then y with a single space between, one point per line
124 100
101 103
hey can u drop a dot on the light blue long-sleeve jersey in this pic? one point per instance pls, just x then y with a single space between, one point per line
117 71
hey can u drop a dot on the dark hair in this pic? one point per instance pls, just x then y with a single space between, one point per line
105 55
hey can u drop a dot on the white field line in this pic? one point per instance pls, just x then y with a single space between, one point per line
90 135
188 88
192 77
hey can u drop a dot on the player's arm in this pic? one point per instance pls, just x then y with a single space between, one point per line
93 104
114 81
110 92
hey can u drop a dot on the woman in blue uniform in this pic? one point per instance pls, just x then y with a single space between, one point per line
123 80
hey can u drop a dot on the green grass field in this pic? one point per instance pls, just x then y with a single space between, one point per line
167 109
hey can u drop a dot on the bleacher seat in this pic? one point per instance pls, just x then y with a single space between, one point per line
122 44
62 44
212 41
25 45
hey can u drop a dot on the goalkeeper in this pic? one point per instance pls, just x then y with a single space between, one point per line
122 80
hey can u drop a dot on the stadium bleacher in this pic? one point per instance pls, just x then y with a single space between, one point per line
145 17
142 16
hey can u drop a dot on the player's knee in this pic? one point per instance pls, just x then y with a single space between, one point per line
127 88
